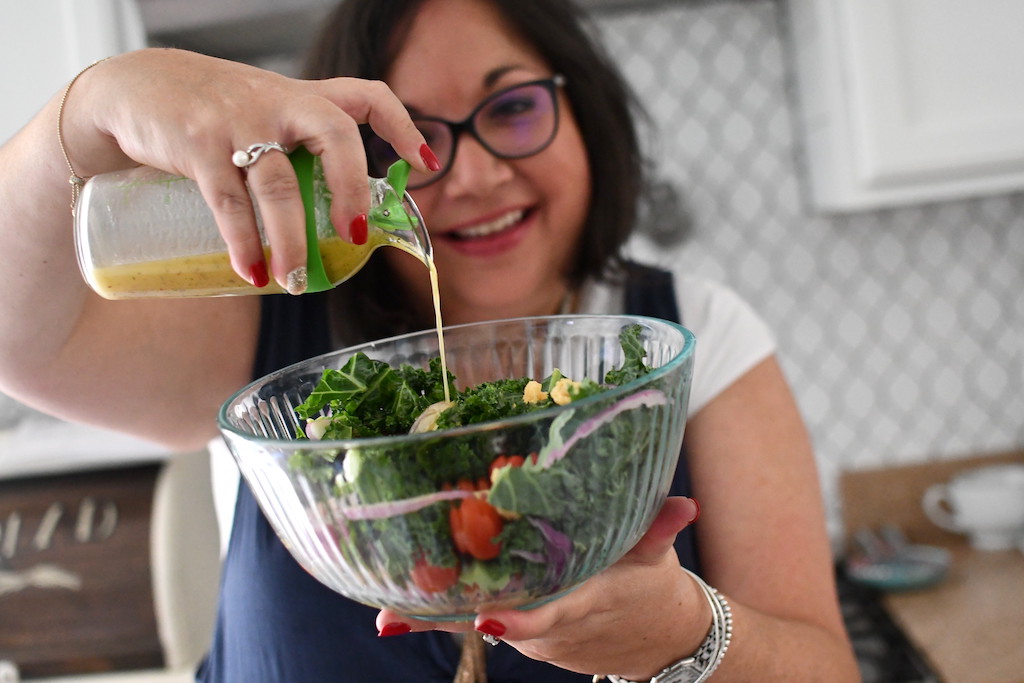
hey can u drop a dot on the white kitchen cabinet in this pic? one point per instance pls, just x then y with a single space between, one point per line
909 101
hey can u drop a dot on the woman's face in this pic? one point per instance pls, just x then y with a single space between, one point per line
503 231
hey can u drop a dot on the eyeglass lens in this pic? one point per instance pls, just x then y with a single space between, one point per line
510 124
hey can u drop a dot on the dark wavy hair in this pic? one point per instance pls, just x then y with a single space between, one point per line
362 37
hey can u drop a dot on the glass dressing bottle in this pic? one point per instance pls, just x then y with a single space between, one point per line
146 233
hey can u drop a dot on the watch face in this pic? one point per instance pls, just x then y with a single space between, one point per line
680 672
75 582
683 671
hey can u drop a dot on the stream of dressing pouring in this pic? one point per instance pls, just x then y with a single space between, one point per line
427 420
398 175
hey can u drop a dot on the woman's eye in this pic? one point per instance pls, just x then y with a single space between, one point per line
380 154
512 107
430 137
434 133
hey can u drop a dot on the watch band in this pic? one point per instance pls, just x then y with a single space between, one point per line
699 666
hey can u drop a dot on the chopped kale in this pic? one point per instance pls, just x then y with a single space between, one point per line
633 365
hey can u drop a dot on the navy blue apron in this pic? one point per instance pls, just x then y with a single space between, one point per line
277 624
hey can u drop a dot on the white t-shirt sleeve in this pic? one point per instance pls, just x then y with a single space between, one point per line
731 337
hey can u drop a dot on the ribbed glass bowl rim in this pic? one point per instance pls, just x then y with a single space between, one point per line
689 341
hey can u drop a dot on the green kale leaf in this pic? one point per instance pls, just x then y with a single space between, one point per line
488 401
633 365
369 398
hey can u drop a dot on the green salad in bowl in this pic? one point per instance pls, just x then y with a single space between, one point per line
544 464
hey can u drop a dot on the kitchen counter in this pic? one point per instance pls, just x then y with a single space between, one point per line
970 627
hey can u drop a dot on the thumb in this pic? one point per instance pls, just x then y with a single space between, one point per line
675 515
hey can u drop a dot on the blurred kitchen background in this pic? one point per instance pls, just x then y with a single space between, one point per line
854 168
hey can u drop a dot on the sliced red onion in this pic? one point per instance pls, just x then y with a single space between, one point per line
528 556
647 397
394 508
317 427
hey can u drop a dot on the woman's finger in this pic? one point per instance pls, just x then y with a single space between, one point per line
330 133
374 103
275 188
675 515
357 102
224 189
390 623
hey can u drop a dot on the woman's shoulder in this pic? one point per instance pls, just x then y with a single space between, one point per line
713 306
731 336
701 301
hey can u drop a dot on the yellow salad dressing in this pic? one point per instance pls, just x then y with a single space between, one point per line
205 274
436 295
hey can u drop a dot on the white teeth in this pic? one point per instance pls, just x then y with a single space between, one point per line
492 227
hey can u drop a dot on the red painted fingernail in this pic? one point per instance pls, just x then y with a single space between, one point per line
429 158
395 629
358 228
491 628
258 274
696 514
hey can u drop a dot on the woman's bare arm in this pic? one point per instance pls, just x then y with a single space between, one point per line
159 369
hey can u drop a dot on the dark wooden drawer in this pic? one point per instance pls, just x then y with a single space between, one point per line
76 591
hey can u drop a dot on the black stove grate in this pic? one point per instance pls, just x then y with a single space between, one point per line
884 653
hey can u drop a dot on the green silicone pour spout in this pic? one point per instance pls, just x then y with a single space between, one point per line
392 211
398 214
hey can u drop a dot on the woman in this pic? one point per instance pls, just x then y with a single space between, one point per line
519 227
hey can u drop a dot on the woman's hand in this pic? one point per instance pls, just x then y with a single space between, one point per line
187 113
633 619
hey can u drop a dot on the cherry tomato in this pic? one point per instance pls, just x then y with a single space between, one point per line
475 523
431 578
506 461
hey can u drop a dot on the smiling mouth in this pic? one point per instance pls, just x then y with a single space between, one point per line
489 228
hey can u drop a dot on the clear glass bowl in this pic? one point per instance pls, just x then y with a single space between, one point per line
603 468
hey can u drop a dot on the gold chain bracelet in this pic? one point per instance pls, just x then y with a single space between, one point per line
75 180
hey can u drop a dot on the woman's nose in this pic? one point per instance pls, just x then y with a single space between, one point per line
474 169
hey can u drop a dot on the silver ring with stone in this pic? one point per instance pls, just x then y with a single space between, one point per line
244 158
490 640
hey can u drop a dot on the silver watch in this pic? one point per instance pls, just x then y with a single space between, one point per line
686 670
699 666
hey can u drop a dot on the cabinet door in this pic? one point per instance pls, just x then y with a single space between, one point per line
909 100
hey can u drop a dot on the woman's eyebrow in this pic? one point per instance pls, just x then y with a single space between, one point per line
490 79
494 75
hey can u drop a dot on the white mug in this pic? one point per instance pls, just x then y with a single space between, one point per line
986 503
